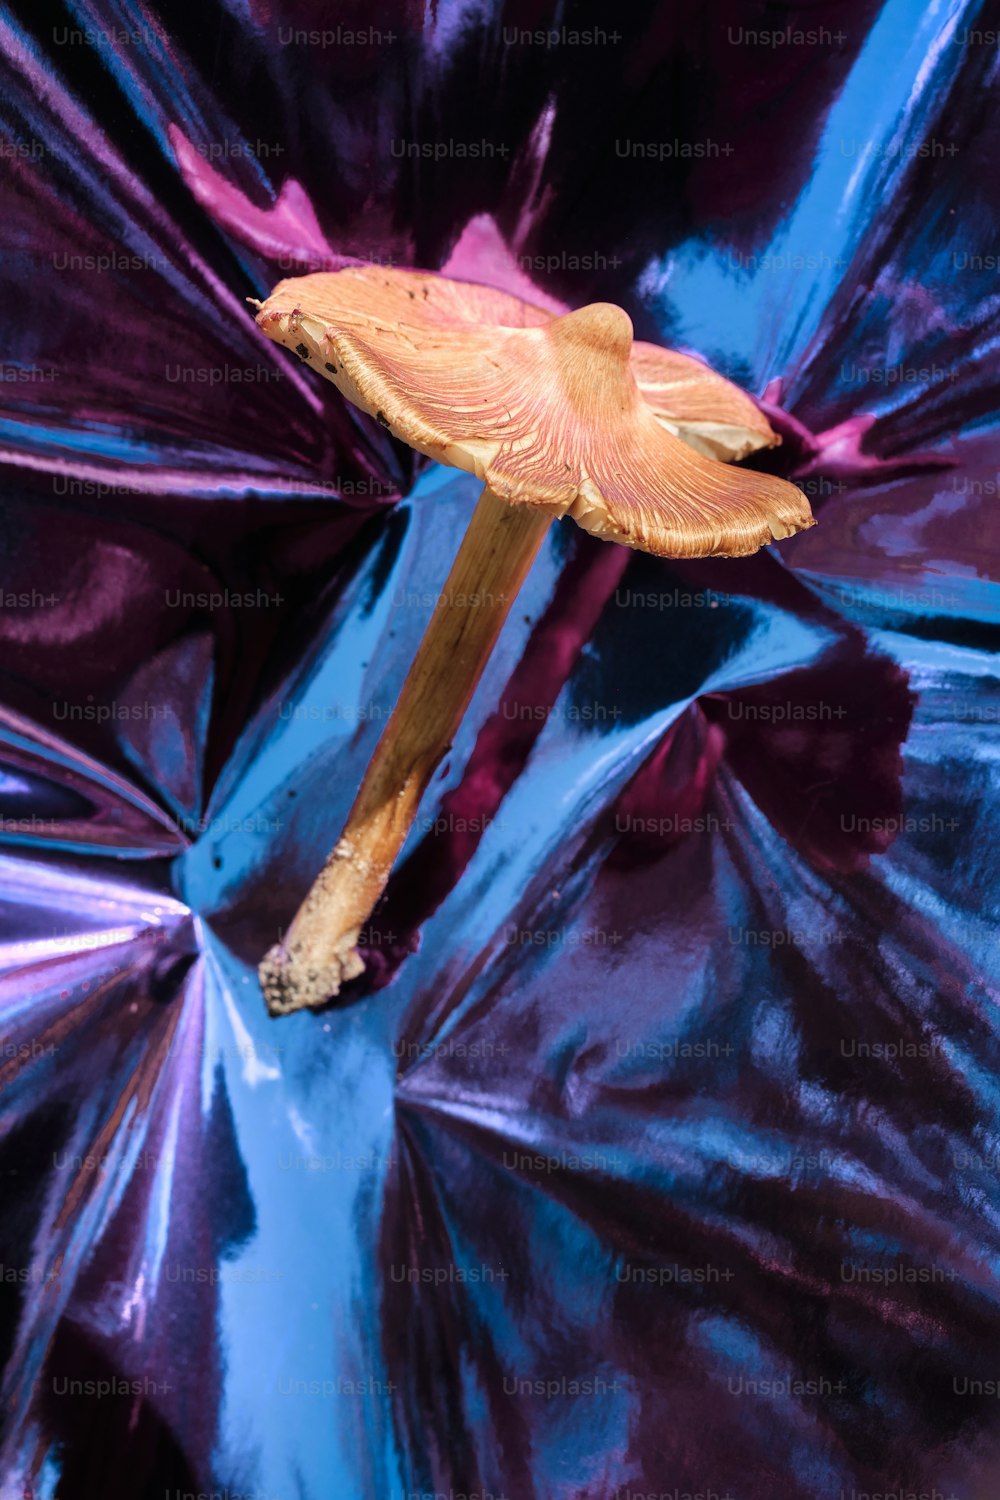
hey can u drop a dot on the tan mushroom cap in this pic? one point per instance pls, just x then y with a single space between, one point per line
700 406
546 411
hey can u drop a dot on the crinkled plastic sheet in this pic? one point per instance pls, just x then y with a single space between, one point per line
657 1149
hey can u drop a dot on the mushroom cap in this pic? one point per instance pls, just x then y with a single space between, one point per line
698 405
547 411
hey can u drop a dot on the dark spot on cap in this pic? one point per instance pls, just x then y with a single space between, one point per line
412 295
331 368
302 351
380 416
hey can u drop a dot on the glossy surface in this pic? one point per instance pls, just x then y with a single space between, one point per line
660 1152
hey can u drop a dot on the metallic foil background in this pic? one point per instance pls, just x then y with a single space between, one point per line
656 1153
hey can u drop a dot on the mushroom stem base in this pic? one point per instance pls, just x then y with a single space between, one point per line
319 952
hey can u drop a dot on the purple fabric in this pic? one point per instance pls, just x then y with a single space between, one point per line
655 1152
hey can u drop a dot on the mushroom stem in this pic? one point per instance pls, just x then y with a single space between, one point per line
319 952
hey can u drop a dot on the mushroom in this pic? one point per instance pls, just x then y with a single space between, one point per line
558 416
